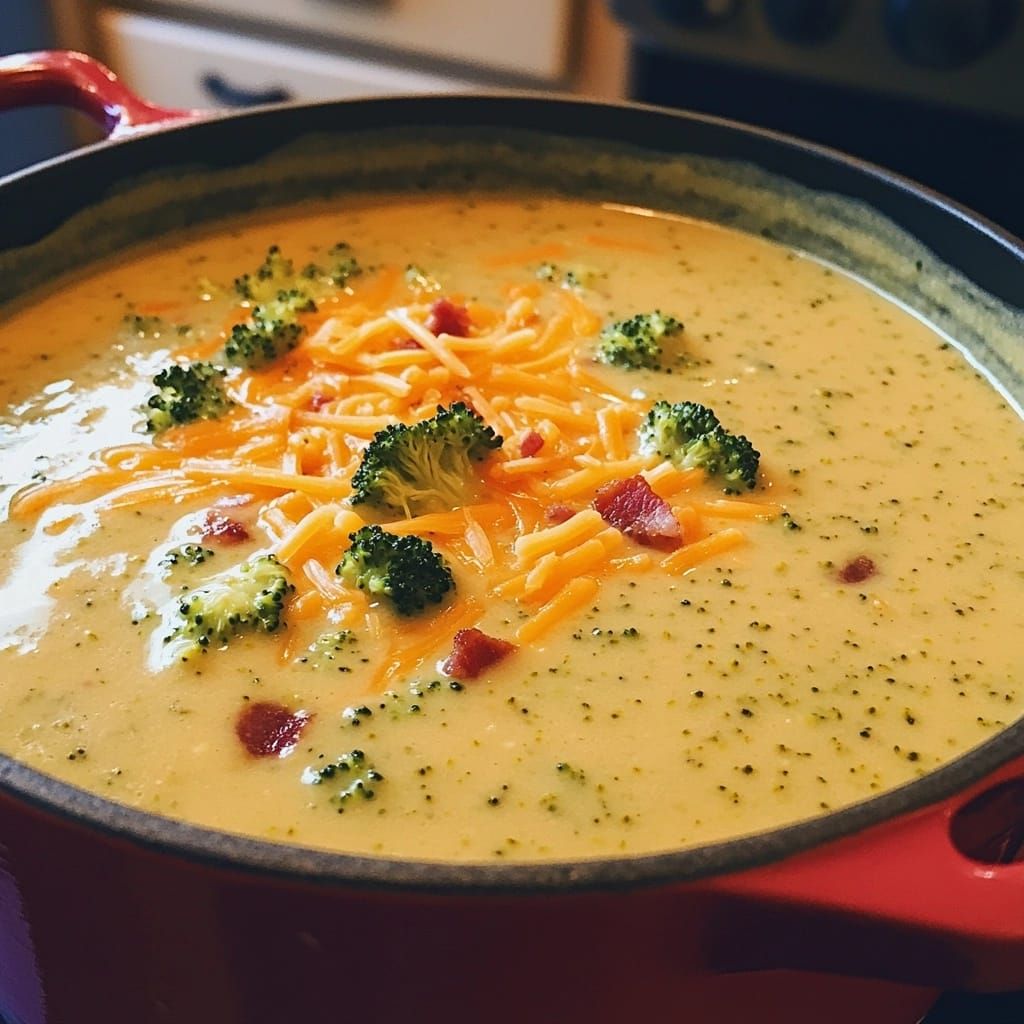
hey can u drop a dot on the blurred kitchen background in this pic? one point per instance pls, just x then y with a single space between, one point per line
933 88
237 53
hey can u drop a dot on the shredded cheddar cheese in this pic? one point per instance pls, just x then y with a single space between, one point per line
299 426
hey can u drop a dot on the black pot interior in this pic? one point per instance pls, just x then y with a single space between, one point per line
963 275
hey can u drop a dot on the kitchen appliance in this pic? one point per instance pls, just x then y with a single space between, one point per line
108 913
931 88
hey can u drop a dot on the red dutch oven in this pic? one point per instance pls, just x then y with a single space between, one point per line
108 914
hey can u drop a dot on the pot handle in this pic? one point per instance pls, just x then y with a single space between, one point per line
67 78
900 900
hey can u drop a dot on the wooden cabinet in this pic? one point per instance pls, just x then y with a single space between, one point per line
177 64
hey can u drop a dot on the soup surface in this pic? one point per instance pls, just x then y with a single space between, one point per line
755 658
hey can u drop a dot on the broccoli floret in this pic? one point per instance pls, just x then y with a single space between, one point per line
690 435
135 326
351 772
426 465
575 278
271 330
405 569
185 394
327 649
635 343
277 280
284 306
246 598
185 554
273 275
258 342
341 266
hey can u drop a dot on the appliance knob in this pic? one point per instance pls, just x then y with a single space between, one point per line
697 13
805 21
948 33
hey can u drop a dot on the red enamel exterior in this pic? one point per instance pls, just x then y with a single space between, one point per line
96 931
900 899
100 927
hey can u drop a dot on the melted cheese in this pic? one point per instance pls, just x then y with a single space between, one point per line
656 706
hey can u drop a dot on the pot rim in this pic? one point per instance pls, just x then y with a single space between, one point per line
191 121
298 863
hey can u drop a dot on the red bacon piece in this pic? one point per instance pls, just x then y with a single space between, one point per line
472 652
559 513
447 318
223 529
531 443
857 570
404 343
632 507
318 400
267 729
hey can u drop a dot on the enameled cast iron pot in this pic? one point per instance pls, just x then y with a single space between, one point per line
109 914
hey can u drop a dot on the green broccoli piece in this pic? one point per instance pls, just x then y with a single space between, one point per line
184 394
260 341
276 273
690 435
354 776
278 296
575 278
405 569
276 281
271 331
424 466
135 326
341 267
185 554
343 264
635 343
284 306
246 598
328 648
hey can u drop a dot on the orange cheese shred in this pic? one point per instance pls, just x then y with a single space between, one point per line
690 555
729 509
367 359
425 639
571 598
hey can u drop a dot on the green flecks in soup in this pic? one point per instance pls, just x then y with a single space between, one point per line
438 554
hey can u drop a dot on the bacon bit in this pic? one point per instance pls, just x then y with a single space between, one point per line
857 570
221 528
632 507
403 343
559 513
266 728
531 443
473 651
318 400
447 318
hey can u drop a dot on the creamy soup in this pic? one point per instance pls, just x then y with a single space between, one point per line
665 656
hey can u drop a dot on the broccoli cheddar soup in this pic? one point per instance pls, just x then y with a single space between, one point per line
498 528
